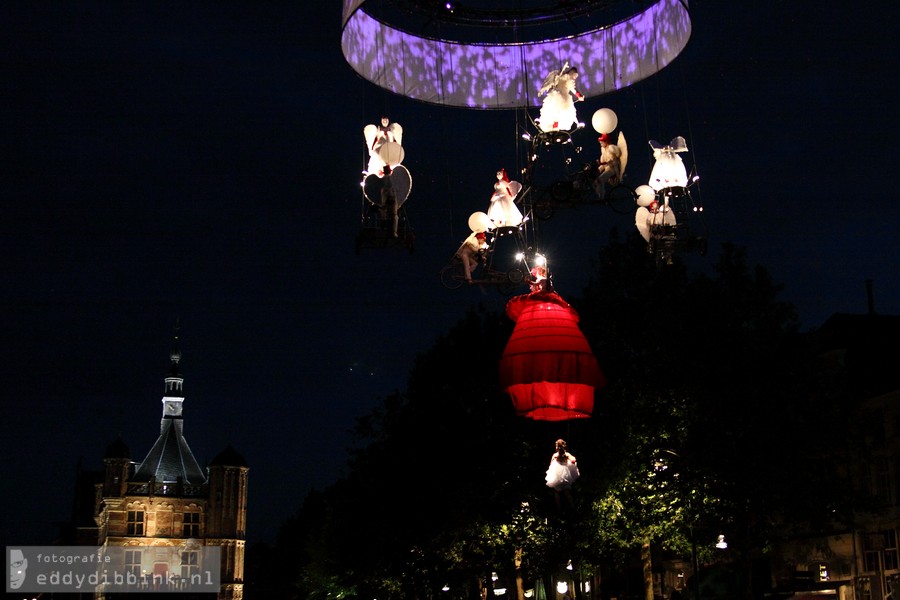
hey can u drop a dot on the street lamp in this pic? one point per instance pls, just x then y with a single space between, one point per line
721 544
499 588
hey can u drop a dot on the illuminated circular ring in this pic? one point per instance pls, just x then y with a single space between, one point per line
609 57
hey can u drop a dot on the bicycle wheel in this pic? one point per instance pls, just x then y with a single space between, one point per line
451 277
562 191
544 210
621 199
515 275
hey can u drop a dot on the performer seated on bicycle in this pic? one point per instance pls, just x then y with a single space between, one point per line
609 165
471 252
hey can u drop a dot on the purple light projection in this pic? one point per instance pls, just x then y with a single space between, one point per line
509 75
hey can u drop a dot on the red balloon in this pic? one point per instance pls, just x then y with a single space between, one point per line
547 366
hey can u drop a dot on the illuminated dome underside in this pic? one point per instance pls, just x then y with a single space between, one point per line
451 61
509 21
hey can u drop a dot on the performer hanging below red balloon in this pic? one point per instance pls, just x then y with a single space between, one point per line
562 473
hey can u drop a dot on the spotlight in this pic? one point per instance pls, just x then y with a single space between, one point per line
526 136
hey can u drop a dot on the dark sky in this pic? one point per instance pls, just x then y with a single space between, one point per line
200 163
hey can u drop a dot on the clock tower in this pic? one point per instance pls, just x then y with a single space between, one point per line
167 508
170 460
173 399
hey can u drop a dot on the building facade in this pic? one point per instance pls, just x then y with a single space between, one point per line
858 362
167 512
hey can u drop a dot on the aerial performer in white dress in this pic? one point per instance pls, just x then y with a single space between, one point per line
558 110
385 145
503 211
649 218
668 171
562 473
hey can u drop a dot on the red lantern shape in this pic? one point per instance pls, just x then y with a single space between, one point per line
547 366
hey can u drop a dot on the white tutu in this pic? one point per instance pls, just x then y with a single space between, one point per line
557 112
503 211
561 476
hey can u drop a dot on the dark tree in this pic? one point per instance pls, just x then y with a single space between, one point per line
708 410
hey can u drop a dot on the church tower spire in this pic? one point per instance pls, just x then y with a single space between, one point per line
171 459
173 398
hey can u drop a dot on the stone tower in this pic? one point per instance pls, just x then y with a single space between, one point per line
167 509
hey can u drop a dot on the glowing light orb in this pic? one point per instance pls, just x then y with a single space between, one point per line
604 120
391 153
479 221
645 195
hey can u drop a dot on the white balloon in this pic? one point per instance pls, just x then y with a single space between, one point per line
604 120
645 195
479 221
391 153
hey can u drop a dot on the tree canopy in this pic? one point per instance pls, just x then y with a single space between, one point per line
707 407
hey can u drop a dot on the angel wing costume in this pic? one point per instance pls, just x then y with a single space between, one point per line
648 218
385 145
503 211
611 165
558 109
668 171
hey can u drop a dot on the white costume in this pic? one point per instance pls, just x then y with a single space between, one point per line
385 145
668 171
558 110
610 166
647 217
468 252
561 475
503 211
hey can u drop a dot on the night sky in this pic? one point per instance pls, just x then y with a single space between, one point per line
198 163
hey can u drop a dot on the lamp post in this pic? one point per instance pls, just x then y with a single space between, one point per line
696 565
721 544
498 586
